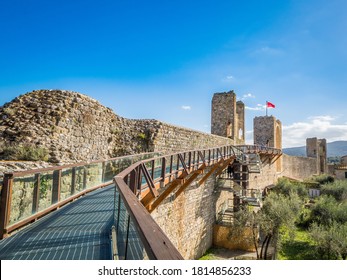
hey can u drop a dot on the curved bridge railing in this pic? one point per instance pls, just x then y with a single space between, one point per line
259 149
139 190
28 195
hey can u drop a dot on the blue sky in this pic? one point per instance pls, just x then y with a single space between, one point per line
165 59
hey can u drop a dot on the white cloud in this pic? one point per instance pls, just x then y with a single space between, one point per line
186 107
317 126
248 95
259 107
228 79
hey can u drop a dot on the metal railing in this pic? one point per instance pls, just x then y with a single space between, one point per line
29 195
259 149
138 186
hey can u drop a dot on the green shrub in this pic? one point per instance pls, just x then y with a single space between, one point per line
330 241
337 189
327 210
304 219
323 179
286 187
25 152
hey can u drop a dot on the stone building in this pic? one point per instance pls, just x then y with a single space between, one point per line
268 132
228 117
340 170
317 148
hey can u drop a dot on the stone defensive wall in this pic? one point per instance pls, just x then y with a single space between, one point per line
299 167
294 167
170 138
76 128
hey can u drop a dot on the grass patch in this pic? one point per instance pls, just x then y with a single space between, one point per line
208 255
301 247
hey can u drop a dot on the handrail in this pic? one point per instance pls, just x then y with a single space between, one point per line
259 149
132 187
80 164
31 194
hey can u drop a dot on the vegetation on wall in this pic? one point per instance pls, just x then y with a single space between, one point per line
23 152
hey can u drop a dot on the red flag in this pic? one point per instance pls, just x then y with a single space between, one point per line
270 105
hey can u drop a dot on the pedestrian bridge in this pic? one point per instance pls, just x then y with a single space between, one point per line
101 210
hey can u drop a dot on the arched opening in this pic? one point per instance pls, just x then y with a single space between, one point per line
240 136
229 130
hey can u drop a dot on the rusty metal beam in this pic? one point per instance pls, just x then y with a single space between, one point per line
172 186
186 183
56 186
5 207
209 173
224 165
149 180
183 163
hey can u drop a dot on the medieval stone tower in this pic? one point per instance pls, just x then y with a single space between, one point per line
268 132
317 148
228 117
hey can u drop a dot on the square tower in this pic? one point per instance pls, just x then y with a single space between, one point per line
228 117
317 148
268 132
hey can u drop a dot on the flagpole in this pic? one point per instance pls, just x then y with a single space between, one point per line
266 107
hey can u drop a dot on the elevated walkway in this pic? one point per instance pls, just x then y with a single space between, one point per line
87 204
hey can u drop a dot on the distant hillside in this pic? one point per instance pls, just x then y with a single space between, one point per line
335 149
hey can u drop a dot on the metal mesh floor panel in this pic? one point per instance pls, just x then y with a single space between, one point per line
77 231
